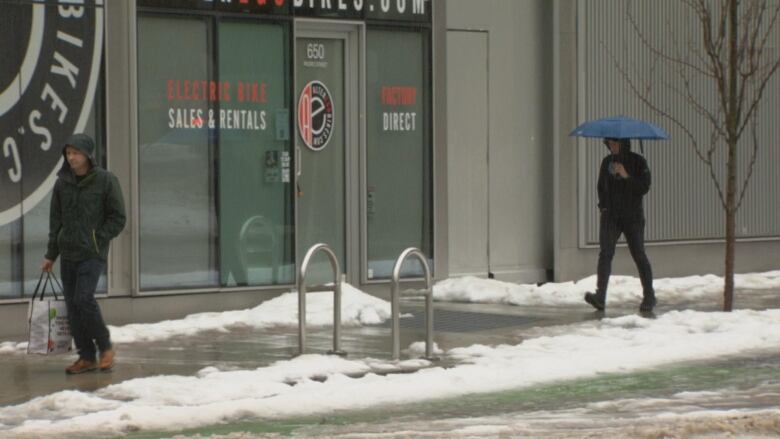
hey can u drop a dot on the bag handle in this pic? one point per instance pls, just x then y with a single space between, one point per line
38 286
54 276
49 276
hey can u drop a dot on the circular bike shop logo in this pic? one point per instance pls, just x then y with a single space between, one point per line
50 69
315 115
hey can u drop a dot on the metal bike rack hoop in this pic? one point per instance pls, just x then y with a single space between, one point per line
336 288
394 294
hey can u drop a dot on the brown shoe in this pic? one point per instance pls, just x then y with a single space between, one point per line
107 360
80 366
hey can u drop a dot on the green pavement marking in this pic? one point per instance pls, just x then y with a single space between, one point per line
280 427
553 396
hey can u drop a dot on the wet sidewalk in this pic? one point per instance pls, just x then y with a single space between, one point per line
24 377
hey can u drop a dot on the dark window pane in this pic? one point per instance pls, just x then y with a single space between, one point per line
398 149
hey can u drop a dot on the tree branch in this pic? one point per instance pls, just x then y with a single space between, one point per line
661 54
758 94
714 136
751 166
645 99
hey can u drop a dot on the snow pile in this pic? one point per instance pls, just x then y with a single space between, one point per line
621 289
357 308
417 349
315 384
10 347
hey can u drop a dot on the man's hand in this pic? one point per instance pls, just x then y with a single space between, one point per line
47 265
620 170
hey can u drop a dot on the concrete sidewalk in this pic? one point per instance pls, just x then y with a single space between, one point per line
23 377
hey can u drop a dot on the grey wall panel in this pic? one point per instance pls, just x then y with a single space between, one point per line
520 104
440 203
467 122
683 203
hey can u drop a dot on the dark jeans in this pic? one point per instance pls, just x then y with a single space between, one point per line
633 227
79 280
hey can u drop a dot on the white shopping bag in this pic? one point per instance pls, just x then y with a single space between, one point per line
49 332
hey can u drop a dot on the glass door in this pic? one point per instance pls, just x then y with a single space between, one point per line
326 147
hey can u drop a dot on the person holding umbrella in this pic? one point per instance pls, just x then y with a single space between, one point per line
624 179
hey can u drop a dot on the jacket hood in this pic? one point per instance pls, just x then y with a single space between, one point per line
83 143
625 144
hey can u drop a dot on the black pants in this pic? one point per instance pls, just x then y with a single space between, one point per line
633 227
79 281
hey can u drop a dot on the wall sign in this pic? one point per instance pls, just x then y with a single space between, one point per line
46 93
393 10
240 103
315 115
399 104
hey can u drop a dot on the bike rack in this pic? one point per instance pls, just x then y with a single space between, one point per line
336 288
394 294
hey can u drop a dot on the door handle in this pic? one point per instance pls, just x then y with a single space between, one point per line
298 169
298 166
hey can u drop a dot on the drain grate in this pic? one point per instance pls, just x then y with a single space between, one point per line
459 321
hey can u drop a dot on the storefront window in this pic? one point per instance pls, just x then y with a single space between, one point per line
10 264
398 149
50 87
214 153
256 214
178 228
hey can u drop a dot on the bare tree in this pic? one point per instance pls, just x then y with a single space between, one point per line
734 54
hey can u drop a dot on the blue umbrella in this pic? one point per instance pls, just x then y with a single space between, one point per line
620 127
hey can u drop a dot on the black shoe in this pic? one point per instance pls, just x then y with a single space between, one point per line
595 301
647 305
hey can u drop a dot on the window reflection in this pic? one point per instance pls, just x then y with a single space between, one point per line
398 193
214 156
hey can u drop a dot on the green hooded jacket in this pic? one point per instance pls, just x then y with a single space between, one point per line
85 215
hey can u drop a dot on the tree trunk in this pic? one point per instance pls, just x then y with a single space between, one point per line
732 114
731 226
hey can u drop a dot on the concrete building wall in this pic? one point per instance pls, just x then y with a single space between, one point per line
683 203
519 153
574 259
120 133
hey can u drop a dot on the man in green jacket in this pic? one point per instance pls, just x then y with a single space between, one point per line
87 211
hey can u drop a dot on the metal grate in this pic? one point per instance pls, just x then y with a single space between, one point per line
457 321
